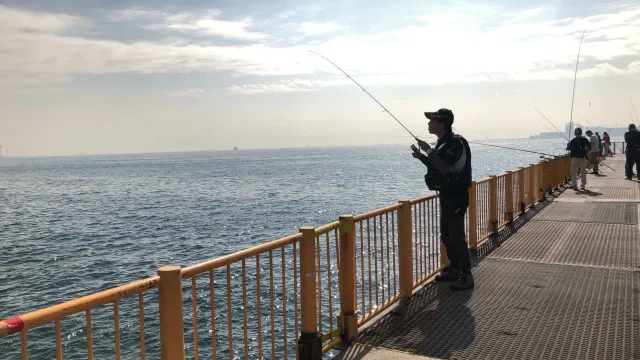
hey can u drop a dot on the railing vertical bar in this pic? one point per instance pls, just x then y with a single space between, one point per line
143 353
116 325
393 241
295 298
425 247
23 344
319 283
429 237
213 315
369 267
89 335
328 281
284 306
273 331
229 313
419 240
375 259
258 306
337 238
194 310
244 309
362 268
416 254
58 340
381 286
388 257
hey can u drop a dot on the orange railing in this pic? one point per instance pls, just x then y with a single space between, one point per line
295 297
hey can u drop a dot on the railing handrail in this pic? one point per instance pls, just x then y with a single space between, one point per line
215 263
374 213
51 313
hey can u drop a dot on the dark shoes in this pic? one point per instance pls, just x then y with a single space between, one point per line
448 275
458 279
464 282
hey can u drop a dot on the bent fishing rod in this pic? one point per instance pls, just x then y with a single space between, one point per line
559 132
396 119
363 89
634 109
575 76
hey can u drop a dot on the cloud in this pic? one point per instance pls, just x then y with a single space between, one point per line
294 85
310 29
634 67
205 23
445 47
193 93
12 19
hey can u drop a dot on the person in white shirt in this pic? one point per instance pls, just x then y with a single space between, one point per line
595 150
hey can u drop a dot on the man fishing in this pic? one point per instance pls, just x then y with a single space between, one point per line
449 173
594 152
632 140
578 148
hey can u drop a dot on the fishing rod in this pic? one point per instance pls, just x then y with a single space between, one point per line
587 121
396 119
560 132
506 147
363 89
548 128
634 108
510 148
575 76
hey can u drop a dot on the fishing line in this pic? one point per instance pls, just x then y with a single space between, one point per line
575 76
634 108
560 132
510 148
396 119
363 89
587 121
548 128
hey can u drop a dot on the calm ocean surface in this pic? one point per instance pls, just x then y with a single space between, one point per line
71 226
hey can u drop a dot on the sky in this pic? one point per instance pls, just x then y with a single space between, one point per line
116 76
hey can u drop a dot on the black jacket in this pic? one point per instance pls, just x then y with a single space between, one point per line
632 138
578 147
449 166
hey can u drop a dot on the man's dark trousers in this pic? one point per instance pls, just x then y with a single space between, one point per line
452 211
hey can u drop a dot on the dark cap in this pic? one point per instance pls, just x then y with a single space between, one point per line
443 115
632 126
589 132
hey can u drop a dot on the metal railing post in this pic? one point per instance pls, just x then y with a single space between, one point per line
493 208
348 317
532 185
508 197
544 179
310 341
521 198
473 211
171 321
405 249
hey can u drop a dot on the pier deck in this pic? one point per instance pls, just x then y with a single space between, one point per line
563 284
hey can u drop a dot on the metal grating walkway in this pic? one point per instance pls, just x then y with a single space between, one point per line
565 285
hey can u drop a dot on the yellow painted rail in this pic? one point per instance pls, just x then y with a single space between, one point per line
303 294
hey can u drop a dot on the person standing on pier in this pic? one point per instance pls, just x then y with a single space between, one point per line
632 140
578 148
607 144
594 152
449 173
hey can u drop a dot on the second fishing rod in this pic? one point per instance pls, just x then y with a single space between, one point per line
412 135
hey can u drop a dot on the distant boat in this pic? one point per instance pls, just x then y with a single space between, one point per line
235 148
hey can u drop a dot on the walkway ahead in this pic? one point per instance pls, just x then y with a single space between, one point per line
564 285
